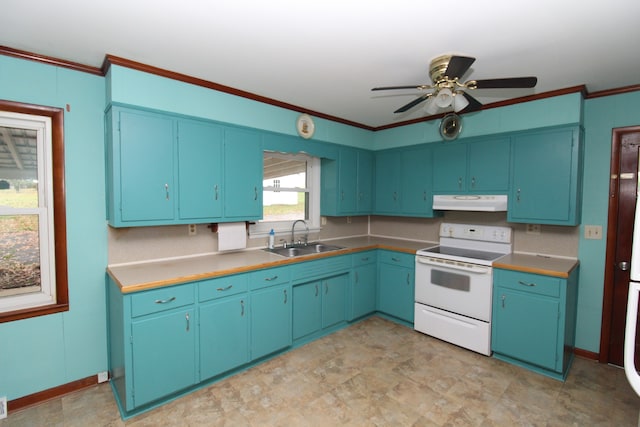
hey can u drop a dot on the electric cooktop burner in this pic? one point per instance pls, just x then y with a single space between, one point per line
461 252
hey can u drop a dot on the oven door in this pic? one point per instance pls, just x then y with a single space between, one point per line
458 287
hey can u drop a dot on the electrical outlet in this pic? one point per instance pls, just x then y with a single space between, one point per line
103 376
593 232
323 220
192 229
348 220
533 228
3 407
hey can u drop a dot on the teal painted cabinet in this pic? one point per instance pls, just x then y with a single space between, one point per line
546 177
396 284
242 174
223 318
334 300
141 149
200 148
347 183
479 166
534 319
307 309
363 284
387 183
271 302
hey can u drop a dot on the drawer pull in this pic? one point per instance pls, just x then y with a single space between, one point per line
285 296
394 259
187 317
526 284
242 308
226 288
364 259
316 290
165 301
269 279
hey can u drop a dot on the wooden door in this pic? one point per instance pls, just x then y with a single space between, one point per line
622 207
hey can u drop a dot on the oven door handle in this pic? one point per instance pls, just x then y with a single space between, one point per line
480 269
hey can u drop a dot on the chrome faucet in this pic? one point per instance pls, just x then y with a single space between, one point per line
293 228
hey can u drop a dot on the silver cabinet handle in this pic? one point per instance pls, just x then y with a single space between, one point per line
395 259
269 279
357 277
518 195
165 301
187 317
364 259
395 196
408 278
316 289
424 196
459 182
215 188
526 284
255 193
225 288
285 296
342 195
473 182
503 298
166 191
241 308
326 288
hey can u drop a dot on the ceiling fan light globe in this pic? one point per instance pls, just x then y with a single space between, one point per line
444 98
431 107
459 102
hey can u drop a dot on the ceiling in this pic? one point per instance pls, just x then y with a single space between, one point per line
324 56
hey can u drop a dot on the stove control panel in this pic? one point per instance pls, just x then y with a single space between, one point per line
483 233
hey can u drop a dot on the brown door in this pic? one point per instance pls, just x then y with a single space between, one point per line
622 207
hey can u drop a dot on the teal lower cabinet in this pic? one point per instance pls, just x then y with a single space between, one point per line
363 284
270 320
307 309
534 319
396 284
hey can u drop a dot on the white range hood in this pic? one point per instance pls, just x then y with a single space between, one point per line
469 202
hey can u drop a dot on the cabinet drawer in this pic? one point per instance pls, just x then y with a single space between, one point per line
222 287
272 276
162 299
397 258
528 282
320 268
363 258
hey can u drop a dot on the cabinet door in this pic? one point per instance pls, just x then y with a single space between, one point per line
489 166
450 168
396 291
365 182
525 327
147 191
307 314
544 178
200 170
417 198
270 320
224 335
242 174
163 352
387 182
363 296
348 178
334 299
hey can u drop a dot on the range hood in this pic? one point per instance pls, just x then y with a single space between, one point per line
470 202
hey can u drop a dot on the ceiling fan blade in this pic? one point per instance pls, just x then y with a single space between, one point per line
474 104
413 103
513 82
458 65
420 87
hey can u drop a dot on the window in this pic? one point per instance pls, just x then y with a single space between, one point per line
291 191
33 260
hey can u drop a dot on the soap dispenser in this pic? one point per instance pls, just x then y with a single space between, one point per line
272 237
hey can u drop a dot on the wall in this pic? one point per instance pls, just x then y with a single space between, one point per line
601 116
48 351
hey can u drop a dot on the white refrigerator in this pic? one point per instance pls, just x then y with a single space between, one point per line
632 309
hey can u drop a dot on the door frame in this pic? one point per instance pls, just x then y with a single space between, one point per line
612 240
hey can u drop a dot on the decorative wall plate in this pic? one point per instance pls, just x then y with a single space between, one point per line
450 127
305 126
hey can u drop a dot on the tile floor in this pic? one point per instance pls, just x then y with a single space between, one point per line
373 373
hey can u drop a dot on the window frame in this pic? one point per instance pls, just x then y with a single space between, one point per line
262 228
59 221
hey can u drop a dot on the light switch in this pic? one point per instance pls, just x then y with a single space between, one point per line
593 232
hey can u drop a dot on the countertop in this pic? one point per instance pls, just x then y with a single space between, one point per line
148 275
538 264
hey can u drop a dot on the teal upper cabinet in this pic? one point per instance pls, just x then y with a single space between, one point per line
347 183
403 182
546 177
200 165
141 145
474 166
164 169
243 174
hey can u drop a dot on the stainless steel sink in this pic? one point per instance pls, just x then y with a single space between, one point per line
311 248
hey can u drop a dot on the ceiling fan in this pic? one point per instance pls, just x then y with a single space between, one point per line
446 90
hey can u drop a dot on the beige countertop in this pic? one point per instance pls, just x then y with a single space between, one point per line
538 264
148 275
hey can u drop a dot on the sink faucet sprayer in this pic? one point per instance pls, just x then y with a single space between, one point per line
293 228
